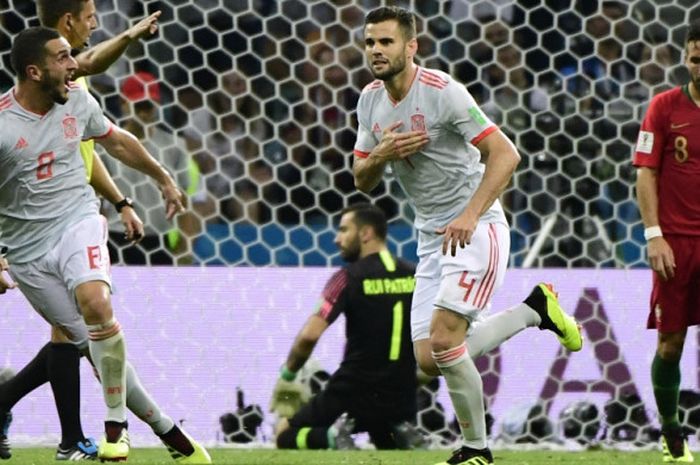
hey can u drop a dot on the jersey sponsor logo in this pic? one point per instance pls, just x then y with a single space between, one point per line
679 125
388 286
21 143
70 127
376 128
418 122
645 142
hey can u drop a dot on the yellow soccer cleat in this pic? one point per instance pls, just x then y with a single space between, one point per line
674 446
200 456
544 301
114 451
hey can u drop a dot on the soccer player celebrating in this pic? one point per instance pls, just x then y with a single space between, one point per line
668 179
49 217
58 361
376 381
427 128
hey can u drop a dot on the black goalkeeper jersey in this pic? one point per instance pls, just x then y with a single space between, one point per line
375 294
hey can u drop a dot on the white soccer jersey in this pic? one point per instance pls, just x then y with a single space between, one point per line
43 189
442 177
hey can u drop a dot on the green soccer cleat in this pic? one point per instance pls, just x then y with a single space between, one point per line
544 301
674 446
468 456
200 456
114 451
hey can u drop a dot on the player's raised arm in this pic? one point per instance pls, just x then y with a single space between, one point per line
123 146
97 59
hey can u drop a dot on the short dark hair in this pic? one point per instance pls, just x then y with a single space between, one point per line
693 33
29 48
406 19
367 214
50 11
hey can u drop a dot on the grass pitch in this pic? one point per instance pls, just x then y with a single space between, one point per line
159 456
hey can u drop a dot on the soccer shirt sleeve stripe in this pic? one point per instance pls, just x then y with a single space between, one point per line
111 128
483 134
360 154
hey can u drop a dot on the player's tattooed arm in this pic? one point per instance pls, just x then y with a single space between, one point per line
97 59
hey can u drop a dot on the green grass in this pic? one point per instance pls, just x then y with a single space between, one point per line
365 457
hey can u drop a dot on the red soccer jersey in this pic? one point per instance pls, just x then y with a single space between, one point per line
668 141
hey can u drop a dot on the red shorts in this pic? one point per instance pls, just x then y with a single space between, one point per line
675 304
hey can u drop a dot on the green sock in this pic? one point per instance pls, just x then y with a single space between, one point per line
666 379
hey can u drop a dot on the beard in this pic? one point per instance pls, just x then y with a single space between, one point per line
391 70
351 253
54 88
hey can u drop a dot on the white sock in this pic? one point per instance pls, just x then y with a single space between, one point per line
108 352
491 332
466 391
143 406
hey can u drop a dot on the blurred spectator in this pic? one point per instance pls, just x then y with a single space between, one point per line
164 242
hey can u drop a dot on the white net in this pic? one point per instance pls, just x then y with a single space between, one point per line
255 114
253 111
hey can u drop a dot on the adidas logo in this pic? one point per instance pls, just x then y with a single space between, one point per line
21 143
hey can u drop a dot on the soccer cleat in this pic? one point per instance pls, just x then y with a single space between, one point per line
114 451
200 455
82 450
544 301
468 456
674 446
5 450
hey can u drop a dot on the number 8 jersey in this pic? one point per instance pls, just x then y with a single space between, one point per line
43 189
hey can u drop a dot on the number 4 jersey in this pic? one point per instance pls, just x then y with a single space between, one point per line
440 179
43 189
668 142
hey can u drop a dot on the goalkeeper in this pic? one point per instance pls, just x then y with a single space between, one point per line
376 382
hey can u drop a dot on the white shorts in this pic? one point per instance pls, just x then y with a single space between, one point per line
49 283
463 284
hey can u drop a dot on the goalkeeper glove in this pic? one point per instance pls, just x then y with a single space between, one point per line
288 397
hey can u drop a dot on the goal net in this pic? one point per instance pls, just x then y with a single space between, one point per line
251 105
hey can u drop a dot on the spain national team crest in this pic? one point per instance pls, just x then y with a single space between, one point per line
70 127
418 122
